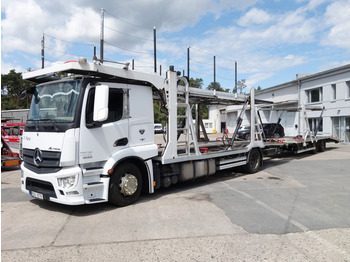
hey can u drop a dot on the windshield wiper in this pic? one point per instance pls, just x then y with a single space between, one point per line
44 120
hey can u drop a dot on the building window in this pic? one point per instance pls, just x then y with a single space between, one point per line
348 87
341 128
208 125
334 92
316 124
314 95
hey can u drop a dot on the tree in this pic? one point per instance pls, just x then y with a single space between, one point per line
241 85
11 86
216 86
197 83
160 114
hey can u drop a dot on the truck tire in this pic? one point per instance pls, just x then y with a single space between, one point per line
254 161
321 146
125 185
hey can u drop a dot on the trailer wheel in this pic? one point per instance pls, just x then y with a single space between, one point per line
321 146
125 185
254 161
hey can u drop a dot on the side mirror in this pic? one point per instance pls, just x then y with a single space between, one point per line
25 92
101 103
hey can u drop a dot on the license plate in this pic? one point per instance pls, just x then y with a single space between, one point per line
37 195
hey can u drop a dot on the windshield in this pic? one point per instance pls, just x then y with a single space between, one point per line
55 102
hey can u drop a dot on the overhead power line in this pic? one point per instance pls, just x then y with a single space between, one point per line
229 79
200 51
125 49
232 60
201 73
74 43
62 52
142 38
200 62
208 53
227 69
126 22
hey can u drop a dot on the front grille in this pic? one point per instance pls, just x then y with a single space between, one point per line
50 161
43 187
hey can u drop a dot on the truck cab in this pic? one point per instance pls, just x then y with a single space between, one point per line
79 129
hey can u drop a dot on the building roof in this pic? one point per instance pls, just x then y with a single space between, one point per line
307 77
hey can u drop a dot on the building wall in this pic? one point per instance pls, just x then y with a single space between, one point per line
335 117
285 92
335 98
15 116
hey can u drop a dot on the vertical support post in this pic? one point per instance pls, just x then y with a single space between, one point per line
197 122
252 116
160 70
299 104
155 48
102 35
188 63
170 151
133 64
43 52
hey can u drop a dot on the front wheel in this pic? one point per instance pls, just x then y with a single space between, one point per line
125 185
254 161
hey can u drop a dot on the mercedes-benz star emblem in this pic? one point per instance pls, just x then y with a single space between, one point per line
38 157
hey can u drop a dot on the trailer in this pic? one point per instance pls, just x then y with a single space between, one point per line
89 137
11 133
8 157
306 141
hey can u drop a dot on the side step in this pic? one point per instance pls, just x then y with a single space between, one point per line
229 163
305 150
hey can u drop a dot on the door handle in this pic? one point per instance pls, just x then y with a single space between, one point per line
121 142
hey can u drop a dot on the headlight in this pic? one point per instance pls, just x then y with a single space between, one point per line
67 182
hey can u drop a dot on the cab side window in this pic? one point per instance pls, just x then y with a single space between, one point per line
115 106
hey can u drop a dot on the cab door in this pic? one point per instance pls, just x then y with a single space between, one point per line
100 140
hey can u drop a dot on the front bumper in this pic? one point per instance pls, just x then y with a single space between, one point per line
46 187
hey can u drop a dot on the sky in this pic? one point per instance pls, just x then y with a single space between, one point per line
271 40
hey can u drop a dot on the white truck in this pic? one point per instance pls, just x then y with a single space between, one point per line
89 136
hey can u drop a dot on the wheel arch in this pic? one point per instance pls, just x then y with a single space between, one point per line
142 166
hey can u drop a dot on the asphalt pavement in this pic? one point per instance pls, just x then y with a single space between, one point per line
295 209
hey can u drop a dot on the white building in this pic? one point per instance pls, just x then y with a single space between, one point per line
329 89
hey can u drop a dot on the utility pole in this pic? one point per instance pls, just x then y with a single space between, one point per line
188 63
43 52
235 77
155 48
102 35
214 70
